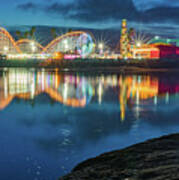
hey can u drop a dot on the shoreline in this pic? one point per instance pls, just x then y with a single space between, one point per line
153 159
115 66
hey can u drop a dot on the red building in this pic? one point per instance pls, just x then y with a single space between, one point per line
168 51
155 51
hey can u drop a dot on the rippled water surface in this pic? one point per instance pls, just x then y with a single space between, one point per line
50 121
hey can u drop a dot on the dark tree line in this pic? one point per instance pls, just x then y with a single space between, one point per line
27 34
31 34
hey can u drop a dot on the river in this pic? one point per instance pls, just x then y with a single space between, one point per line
50 121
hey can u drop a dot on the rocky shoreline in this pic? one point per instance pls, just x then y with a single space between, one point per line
156 159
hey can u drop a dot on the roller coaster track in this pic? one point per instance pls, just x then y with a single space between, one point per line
60 38
51 45
7 34
22 41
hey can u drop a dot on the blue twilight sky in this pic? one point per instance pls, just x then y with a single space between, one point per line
88 13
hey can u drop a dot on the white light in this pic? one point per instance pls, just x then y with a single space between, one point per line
66 46
155 100
138 44
65 41
33 48
65 92
137 98
100 93
101 45
32 44
32 90
6 48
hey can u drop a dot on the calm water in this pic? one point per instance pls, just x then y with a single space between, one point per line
50 121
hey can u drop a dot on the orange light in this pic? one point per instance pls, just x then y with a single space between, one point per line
58 56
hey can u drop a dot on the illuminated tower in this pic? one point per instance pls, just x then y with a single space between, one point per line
124 41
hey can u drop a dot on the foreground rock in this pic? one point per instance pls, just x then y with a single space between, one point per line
156 159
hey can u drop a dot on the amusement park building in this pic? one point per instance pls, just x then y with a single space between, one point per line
155 51
76 42
146 52
168 51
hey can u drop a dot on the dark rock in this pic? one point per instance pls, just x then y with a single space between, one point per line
156 159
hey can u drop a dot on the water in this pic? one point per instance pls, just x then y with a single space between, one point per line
50 121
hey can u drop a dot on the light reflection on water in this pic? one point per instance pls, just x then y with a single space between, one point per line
50 121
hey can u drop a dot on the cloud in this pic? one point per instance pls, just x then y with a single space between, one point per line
28 6
92 11
104 10
58 8
145 5
161 14
88 10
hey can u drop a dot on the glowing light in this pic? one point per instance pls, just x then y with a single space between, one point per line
32 44
43 80
85 45
157 37
155 100
65 41
77 42
138 44
168 40
5 87
167 98
66 46
65 92
32 90
6 38
139 39
71 56
33 48
100 93
6 48
101 46
137 98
